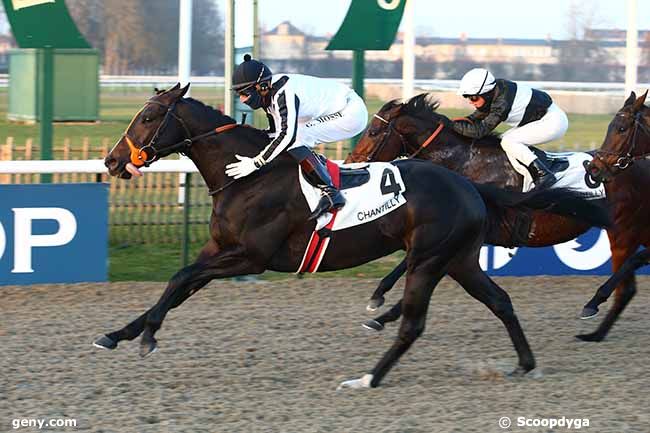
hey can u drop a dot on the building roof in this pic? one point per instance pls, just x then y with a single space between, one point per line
285 28
613 34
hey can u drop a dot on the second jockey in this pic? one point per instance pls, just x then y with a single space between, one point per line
302 111
531 113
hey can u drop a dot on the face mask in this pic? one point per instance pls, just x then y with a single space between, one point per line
255 100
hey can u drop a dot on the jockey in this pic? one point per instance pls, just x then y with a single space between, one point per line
531 113
306 111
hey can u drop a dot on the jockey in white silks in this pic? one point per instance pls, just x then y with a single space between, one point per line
302 111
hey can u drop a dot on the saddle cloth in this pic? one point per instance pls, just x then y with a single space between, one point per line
370 190
376 196
569 168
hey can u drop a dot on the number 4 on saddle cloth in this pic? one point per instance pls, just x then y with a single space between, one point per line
371 190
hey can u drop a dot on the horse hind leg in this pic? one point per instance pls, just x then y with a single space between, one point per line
476 282
420 282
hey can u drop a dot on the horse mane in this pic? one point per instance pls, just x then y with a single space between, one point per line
220 118
425 108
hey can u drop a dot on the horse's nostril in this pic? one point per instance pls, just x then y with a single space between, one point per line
110 163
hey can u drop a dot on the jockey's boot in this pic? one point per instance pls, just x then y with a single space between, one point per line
542 176
317 175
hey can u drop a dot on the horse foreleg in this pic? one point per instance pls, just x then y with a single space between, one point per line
181 286
387 283
187 282
624 282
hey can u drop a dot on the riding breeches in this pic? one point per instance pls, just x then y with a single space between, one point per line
515 141
345 123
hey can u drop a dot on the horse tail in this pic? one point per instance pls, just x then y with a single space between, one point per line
560 201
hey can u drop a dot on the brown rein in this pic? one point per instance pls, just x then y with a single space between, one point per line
391 128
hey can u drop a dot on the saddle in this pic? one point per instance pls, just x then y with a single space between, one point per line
555 161
351 175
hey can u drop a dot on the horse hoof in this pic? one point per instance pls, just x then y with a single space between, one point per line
373 325
588 313
363 382
592 337
519 372
147 349
105 342
375 303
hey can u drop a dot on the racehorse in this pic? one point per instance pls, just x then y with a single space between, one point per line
260 222
416 129
622 164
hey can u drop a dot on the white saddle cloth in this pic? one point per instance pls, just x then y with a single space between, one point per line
381 195
574 176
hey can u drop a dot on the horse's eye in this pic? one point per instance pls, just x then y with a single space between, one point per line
372 133
146 120
621 129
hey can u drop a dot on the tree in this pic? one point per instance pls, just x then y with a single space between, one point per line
581 57
207 38
142 37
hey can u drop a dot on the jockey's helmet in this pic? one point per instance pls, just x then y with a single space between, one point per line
477 81
251 79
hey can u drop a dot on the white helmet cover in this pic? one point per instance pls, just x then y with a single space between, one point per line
477 81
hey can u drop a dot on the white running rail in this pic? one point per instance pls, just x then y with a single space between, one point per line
90 166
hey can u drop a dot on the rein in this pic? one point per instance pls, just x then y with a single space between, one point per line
391 129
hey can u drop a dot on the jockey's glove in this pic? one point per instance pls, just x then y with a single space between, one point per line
244 166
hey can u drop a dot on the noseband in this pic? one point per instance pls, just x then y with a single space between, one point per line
404 142
623 159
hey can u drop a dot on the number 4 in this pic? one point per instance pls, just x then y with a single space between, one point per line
388 184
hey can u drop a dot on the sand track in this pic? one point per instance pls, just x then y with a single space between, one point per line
258 357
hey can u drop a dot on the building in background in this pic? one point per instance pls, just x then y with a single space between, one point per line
599 56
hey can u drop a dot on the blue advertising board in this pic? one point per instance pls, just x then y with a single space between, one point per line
588 254
53 233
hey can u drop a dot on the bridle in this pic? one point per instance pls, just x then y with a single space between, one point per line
404 142
144 155
624 159
139 156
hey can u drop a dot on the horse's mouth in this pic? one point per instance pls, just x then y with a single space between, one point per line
125 171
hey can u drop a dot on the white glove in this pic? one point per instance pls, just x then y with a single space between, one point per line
244 167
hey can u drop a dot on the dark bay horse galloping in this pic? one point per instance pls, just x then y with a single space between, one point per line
416 129
260 223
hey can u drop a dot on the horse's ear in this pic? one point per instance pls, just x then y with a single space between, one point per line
184 90
630 100
638 104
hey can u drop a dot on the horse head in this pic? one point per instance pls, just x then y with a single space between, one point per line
399 129
627 139
154 132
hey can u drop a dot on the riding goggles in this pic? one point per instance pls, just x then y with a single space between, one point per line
472 98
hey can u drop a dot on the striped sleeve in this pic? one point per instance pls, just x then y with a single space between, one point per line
288 105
